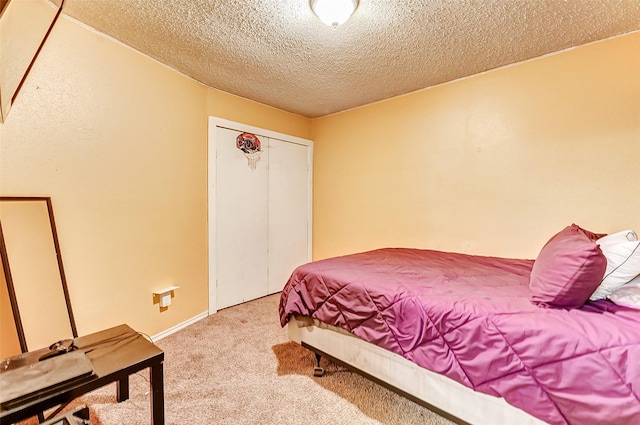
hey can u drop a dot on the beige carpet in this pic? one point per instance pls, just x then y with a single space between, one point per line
238 367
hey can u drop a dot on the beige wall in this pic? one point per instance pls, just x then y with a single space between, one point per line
119 142
492 164
234 108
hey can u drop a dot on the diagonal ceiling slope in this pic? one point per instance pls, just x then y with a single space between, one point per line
278 53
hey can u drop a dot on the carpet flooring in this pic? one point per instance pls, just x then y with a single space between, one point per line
238 367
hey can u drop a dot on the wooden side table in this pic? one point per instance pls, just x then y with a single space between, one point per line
115 354
77 416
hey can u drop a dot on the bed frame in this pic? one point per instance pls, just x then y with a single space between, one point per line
437 393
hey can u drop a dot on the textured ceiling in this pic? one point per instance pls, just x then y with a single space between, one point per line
277 52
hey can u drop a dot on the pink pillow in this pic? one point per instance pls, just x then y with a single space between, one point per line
568 269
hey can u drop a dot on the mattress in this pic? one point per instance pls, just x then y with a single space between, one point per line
470 319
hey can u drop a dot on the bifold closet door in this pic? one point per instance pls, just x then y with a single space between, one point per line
289 213
242 228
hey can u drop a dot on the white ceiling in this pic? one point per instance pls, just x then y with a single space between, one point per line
277 52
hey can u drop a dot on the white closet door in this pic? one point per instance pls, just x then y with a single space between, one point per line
242 218
288 210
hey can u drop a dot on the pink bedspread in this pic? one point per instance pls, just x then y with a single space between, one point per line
470 318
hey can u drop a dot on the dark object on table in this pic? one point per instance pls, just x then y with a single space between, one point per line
60 347
31 381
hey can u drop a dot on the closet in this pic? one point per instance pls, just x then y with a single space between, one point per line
259 211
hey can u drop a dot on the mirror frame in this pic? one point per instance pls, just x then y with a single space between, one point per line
7 269
23 64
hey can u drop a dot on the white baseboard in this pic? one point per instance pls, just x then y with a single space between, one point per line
179 326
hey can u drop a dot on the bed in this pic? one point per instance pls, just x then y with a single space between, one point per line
480 339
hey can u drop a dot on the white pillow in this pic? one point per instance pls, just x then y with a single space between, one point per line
622 251
628 295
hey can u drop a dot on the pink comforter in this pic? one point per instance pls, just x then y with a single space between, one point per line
470 318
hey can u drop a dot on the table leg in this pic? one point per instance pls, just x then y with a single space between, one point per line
157 394
123 389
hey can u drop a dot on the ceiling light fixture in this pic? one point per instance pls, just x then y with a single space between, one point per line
334 12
